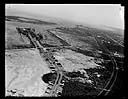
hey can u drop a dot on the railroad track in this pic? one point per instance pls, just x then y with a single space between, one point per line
48 56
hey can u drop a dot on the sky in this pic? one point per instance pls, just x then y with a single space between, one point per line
109 15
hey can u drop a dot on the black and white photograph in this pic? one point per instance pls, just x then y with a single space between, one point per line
58 50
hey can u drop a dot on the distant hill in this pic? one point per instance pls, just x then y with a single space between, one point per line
59 21
28 20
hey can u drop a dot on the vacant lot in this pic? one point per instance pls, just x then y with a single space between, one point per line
74 61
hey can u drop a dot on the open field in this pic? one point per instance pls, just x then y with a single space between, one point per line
24 69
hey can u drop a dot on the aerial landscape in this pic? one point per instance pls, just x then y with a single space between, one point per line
45 57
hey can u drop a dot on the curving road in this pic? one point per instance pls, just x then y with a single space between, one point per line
113 77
